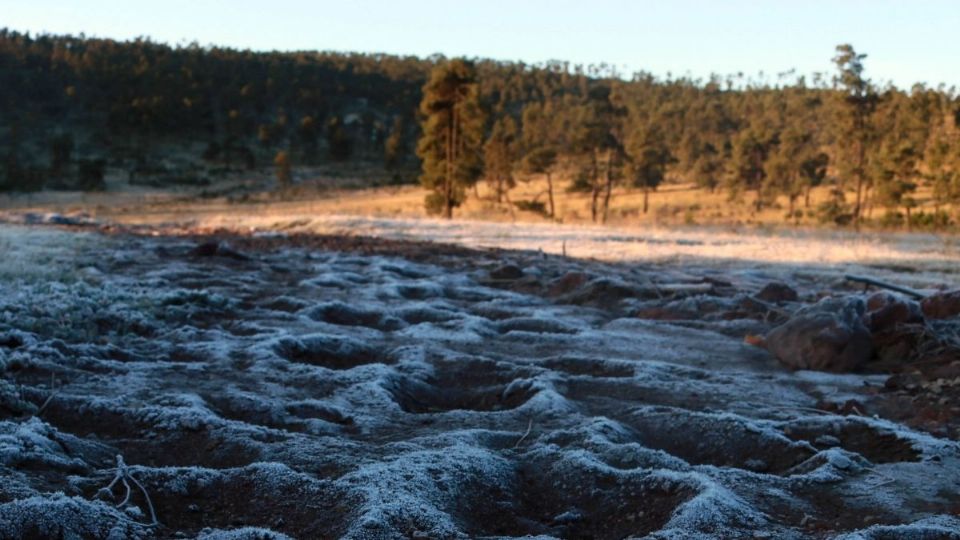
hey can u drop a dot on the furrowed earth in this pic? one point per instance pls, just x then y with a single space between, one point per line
311 386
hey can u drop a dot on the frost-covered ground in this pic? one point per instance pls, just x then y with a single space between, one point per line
617 244
364 390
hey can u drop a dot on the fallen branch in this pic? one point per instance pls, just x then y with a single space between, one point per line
525 434
122 475
53 393
913 293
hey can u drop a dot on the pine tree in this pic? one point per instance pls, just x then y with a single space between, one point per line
858 101
394 147
499 156
281 162
450 146
648 157
795 167
707 170
747 165
543 160
596 147
339 144
308 134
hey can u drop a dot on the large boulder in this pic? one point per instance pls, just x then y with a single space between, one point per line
830 335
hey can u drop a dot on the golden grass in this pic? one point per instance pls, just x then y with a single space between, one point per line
323 193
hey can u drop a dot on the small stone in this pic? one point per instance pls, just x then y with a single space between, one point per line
569 516
507 272
567 283
778 292
827 440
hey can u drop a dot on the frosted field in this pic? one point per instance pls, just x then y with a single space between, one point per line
624 244
364 390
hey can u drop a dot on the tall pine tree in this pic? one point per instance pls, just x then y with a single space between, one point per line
451 146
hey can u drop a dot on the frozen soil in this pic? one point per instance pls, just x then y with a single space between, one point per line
344 387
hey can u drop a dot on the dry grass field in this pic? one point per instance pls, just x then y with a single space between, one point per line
336 190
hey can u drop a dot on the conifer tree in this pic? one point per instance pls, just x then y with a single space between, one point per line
393 147
747 165
858 101
648 157
543 160
450 146
499 156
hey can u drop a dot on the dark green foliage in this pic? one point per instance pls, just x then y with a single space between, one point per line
65 99
20 178
500 155
394 147
451 143
648 157
61 151
308 132
284 172
339 143
536 207
90 174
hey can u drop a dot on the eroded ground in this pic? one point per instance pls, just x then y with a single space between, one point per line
324 387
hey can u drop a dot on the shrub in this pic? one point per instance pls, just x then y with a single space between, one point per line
536 207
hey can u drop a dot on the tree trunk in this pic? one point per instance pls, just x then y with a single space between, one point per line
608 186
452 153
861 157
909 221
806 197
553 212
593 204
646 199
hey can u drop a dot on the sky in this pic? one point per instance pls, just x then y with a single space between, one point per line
906 41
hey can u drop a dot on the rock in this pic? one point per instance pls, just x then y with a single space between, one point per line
830 335
214 248
943 305
507 272
778 292
754 308
567 283
690 308
949 371
886 311
601 292
898 344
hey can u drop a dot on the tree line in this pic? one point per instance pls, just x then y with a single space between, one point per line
871 146
72 107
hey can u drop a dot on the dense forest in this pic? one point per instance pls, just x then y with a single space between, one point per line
73 108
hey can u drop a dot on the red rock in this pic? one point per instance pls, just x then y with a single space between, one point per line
567 283
778 292
943 305
886 311
828 336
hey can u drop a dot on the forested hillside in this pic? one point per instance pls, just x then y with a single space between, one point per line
72 109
